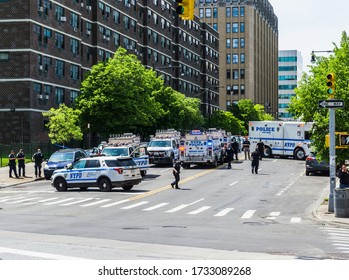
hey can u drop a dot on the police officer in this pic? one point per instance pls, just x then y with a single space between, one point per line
21 164
229 154
176 171
255 161
12 164
235 147
246 146
38 158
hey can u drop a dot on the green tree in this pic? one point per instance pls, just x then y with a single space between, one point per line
312 88
118 96
227 121
63 124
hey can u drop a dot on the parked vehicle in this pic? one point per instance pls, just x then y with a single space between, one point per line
281 138
102 172
60 159
312 166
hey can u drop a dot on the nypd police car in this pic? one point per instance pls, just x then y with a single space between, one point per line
102 172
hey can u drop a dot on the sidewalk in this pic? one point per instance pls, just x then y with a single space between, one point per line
6 181
320 213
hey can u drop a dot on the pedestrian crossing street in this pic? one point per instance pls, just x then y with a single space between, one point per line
339 238
196 207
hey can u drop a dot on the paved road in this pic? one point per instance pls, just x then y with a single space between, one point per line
218 213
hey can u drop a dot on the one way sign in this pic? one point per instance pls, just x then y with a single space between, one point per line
331 103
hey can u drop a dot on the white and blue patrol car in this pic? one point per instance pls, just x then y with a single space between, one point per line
102 172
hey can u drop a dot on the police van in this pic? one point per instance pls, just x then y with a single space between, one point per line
201 148
281 138
128 144
102 172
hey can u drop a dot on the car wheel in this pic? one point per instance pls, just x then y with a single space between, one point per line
60 184
104 184
127 188
299 154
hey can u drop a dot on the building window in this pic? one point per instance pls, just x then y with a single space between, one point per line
74 20
208 12
228 74
228 27
74 46
73 95
4 56
235 43
201 13
235 74
59 95
215 26
235 58
242 42
228 58
215 12
288 59
242 73
59 68
228 43
59 12
242 27
235 27
242 11
242 58
242 89
228 12
59 40
37 88
47 91
235 89
235 11
74 72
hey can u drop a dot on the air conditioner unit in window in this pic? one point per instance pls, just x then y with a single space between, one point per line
104 37
89 8
107 38
41 67
82 4
40 9
88 32
128 5
40 96
129 47
75 29
63 19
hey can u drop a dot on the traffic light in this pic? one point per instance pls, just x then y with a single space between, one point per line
344 139
330 83
185 9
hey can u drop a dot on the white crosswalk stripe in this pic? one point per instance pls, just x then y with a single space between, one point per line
165 207
339 238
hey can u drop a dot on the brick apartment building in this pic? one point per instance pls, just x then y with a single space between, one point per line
47 47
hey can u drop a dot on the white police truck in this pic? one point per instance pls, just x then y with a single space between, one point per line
281 138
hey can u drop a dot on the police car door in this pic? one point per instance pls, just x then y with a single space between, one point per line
84 173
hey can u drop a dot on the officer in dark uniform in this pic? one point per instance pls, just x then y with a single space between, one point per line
229 154
38 158
21 164
176 171
12 164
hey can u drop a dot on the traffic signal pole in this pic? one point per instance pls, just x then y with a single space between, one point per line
332 133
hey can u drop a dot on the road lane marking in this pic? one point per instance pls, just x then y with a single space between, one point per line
224 212
180 207
201 209
95 202
76 202
114 203
48 199
234 183
22 200
13 198
273 215
248 214
156 206
135 205
296 220
59 201
38 254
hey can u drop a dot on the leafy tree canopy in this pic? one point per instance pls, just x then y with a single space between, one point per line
63 124
313 88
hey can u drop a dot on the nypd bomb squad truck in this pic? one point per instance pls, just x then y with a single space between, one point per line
201 148
281 138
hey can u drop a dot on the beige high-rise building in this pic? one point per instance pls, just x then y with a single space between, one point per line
248 50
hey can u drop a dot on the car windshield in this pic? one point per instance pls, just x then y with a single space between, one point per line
120 162
61 157
160 143
115 152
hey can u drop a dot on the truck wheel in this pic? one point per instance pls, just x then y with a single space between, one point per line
268 152
299 154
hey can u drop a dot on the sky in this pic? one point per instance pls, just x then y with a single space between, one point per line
307 25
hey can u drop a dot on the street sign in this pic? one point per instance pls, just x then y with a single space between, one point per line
331 103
